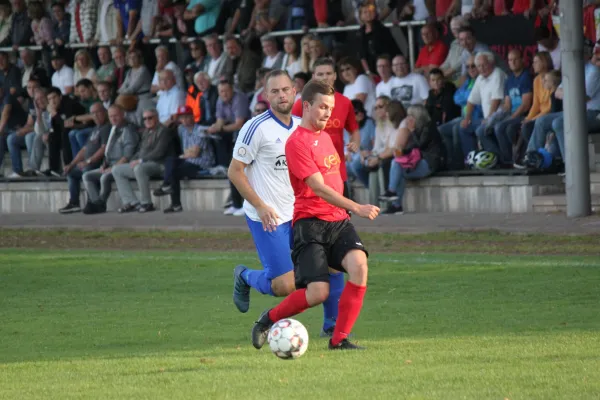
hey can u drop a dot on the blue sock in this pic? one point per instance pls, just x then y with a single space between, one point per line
330 307
258 280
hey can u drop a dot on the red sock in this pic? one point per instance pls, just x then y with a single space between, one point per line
293 304
351 302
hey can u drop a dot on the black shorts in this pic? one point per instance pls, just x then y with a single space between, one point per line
319 245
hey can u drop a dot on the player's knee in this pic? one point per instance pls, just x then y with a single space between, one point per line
282 288
317 293
356 265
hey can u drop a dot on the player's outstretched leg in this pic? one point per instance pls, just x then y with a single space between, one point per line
330 306
241 289
351 301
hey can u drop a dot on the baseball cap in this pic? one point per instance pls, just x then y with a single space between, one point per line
184 110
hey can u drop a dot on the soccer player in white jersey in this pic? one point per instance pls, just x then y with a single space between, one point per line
259 171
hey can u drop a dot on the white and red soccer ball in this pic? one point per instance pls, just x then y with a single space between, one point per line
288 339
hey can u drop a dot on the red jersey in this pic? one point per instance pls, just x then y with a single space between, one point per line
307 153
341 118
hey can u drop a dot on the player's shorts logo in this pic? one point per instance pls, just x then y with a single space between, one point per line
281 163
331 160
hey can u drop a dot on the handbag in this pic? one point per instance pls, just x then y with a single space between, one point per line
410 160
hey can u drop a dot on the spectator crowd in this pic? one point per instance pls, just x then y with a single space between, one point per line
108 106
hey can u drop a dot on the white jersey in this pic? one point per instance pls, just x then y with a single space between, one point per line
261 145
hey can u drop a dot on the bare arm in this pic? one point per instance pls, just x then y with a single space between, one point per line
494 106
4 118
133 18
236 126
237 176
119 26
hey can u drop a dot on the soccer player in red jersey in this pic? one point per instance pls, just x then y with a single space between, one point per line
324 237
342 117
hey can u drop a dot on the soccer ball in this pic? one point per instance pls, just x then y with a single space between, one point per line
288 339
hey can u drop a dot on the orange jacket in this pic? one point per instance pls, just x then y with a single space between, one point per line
192 100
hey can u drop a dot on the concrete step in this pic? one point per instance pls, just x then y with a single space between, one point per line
594 182
558 203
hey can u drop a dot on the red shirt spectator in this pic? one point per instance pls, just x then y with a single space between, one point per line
434 53
520 6
441 7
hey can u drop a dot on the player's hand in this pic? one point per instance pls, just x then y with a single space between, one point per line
368 211
353 147
269 218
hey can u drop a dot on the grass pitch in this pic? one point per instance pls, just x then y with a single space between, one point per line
161 325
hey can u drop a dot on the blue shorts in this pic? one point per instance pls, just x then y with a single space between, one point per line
274 248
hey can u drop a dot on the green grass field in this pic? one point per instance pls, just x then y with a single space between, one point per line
161 325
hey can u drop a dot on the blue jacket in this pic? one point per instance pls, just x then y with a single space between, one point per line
462 95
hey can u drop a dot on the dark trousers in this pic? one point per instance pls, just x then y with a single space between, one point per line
59 141
223 144
175 170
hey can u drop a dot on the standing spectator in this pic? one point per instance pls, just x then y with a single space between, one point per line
198 157
148 162
120 148
232 113
106 70
208 98
547 40
106 25
384 70
418 135
62 24
83 21
5 22
291 62
200 59
20 30
88 158
408 87
375 39
434 51
273 57
440 103
127 15
218 58
12 117
163 63
452 66
150 15
170 99
83 68
242 65
63 75
357 86
10 76
41 25
355 161
260 22
488 92
204 13
175 25
518 97
121 68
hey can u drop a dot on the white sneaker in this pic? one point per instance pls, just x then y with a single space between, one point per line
239 212
14 175
230 210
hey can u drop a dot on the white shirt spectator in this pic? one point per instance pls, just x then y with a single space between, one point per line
362 84
486 90
554 54
269 61
385 137
148 12
464 57
421 12
178 75
384 88
168 103
293 68
466 6
63 78
215 67
91 75
411 89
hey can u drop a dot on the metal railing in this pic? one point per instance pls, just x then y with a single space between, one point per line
333 29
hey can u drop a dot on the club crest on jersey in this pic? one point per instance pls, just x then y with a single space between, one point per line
242 151
281 163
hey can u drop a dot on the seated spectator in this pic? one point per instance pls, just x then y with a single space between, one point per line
259 108
208 100
31 69
170 99
88 158
5 22
488 92
384 70
20 30
242 65
218 58
41 128
291 62
12 117
259 93
197 158
137 81
83 22
470 46
120 148
552 81
205 14
419 154
408 87
121 68
305 65
163 63
375 39
106 71
450 130
105 94
41 25
434 51
357 86
156 146
440 103
300 79
63 75
452 65
200 60
232 113
10 76
193 95
547 40
356 161
273 57
518 96
317 50
82 125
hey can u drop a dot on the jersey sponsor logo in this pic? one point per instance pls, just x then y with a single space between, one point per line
281 163
334 123
242 151
331 160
